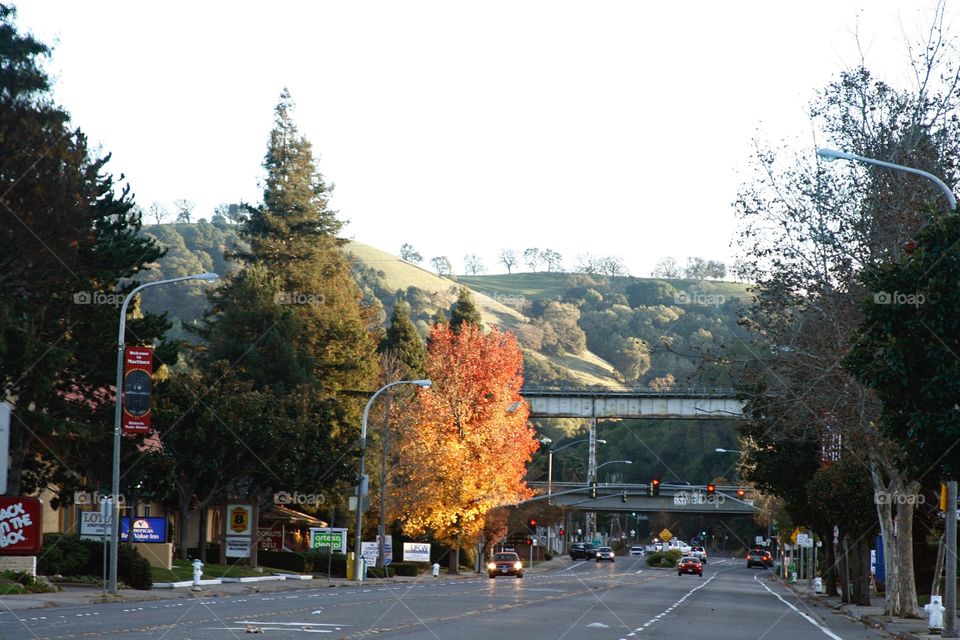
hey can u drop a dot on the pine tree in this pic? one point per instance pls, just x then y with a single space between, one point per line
67 237
464 310
405 343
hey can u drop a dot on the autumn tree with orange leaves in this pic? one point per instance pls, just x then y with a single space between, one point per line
466 443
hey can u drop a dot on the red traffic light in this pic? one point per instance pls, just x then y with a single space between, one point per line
741 493
533 522
655 482
562 532
711 488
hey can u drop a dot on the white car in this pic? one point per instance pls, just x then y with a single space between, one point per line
681 545
637 551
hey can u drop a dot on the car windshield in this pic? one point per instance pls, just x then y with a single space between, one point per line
505 556
605 549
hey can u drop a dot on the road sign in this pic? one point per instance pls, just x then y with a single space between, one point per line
665 535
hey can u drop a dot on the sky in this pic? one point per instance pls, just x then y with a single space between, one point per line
602 128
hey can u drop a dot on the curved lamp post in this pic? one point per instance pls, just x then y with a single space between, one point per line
718 450
830 155
361 483
550 462
614 462
118 412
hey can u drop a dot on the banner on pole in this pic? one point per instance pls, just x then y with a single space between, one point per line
137 383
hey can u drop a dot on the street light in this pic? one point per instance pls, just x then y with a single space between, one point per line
550 462
718 450
118 411
358 547
950 529
830 155
612 462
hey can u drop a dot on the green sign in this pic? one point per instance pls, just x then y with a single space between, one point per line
335 539
597 542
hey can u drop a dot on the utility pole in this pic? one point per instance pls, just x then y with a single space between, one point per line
592 472
950 581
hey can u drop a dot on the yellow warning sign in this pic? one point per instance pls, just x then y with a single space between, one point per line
793 536
665 535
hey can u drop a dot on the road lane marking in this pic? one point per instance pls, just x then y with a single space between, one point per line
825 630
676 604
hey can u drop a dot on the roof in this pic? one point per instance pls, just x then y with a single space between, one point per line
278 512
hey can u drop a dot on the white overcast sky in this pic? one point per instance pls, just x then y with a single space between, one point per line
604 127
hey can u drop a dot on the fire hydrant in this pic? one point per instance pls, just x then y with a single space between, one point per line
197 574
436 569
793 571
818 585
935 609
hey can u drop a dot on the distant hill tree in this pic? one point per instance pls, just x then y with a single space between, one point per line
473 265
553 260
158 212
408 253
464 311
184 210
508 258
667 268
441 264
533 258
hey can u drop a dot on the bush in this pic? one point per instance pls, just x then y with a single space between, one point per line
547 556
65 555
132 568
666 559
318 562
284 560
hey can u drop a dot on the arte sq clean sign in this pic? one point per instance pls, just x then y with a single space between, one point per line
137 384
21 526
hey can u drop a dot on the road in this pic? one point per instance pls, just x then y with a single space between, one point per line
624 600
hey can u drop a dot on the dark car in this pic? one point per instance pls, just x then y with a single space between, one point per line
505 564
606 553
690 565
760 558
583 551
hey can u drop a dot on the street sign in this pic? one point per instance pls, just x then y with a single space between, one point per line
665 535
238 547
370 551
240 519
334 539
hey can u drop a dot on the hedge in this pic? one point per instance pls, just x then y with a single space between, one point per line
68 555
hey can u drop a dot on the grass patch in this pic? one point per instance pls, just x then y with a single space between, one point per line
183 570
19 582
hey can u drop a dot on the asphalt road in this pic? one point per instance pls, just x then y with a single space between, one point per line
604 601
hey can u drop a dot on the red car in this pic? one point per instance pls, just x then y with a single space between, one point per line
690 565
759 557
505 564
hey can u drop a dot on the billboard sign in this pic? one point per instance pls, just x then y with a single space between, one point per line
416 552
334 539
21 526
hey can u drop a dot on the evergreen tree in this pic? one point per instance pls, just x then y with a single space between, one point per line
292 320
464 310
405 343
67 239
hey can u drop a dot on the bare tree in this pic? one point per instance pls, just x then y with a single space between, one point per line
667 268
408 253
184 210
533 258
508 258
158 212
473 265
553 260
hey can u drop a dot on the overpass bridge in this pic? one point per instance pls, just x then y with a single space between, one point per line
674 404
673 498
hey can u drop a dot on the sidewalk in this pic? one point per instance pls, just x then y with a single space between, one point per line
872 616
76 595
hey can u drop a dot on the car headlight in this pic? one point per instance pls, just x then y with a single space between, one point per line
491 566
518 565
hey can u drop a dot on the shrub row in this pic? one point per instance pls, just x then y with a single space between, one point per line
666 559
68 555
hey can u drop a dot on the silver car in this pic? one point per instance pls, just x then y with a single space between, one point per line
637 551
605 553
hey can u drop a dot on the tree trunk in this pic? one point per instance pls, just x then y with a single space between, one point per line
830 581
184 520
860 574
907 606
454 566
203 535
938 568
845 571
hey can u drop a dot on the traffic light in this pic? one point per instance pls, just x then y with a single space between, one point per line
529 541
562 532
593 490
654 487
711 489
532 523
741 493
943 496
623 497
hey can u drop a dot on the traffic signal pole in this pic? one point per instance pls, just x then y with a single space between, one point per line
950 581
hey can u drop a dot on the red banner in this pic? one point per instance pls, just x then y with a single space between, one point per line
21 526
137 384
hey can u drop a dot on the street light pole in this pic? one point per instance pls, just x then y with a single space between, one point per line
358 546
830 155
117 418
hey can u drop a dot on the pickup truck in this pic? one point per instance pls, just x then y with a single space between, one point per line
582 550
